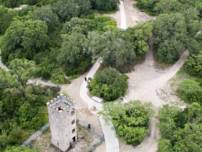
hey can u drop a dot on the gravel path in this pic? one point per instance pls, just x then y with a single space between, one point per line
134 15
111 141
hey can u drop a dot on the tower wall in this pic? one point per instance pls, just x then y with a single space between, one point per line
62 120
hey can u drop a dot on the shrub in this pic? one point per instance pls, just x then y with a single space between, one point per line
20 149
194 65
180 129
190 91
169 34
105 5
58 77
108 84
130 120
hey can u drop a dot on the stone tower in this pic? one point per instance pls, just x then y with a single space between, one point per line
62 120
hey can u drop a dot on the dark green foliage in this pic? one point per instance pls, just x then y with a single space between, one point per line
105 5
10 3
6 18
155 7
22 107
140 36
121 49
117 50
46 14
66 9
194 65
130 120
169 34
108 84
181 130
74 55
24 39
91 23
147 5
190 91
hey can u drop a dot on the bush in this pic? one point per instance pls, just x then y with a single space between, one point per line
24 39
105 5
181 129
20 149
66 9
74 55
108 84
194 65
6 17
169 34
190 91
58 77
130 120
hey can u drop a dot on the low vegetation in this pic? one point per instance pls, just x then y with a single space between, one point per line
22 106
108 84
190 91
181 129
20 149
130 120
194 65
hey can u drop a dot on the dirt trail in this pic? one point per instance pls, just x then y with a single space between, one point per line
148 78
134 15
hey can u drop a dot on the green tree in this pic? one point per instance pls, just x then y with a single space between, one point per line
181 129
108 84
74 55
66 9
167 6
130 120
105 5
46 14
190 91
115 48
194 65
6 17
10 3
169 34
24 39
140 36
23 69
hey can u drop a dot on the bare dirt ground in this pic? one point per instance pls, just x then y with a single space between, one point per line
148 79
134 15
85 139
83 113
149 83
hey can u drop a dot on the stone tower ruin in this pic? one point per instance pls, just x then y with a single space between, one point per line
62 120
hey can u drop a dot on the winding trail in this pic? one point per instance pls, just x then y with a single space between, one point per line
111 140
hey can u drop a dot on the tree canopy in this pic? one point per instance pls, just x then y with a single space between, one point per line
131 120
6 17
169 34
105 5
74 55
22 106
24 39
46 14
190 91
181 129
194 65
108 84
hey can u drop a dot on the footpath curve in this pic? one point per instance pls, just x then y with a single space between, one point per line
111 140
